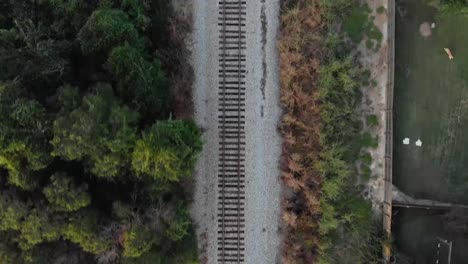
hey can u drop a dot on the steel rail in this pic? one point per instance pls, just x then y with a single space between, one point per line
232 92
239 125
223 141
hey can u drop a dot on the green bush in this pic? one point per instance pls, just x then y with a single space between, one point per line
372 121
356 23
167 151
370 44
368 141
366 172
329 221
335 10
366 158
179 228
381 10
345 215
454 7
338 90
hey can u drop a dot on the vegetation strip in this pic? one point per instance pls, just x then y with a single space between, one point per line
320 80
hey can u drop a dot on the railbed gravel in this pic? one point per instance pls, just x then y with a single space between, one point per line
263 141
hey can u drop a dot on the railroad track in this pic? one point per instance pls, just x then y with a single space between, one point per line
231 118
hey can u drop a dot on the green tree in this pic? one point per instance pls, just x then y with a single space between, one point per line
61 124
101 130
142 81
12 212
23 136
104 29
37 228
138 12
8 251
20 160
137 240
167 151
65 195
68 98
30 54
70 15
83 230
121 211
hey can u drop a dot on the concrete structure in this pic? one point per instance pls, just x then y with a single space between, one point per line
400 199
388 163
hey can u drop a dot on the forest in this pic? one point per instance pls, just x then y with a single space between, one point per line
96 148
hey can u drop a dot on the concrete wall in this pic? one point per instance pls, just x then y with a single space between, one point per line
387 206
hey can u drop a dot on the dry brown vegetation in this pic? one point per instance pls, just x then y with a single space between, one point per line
327 219
180 73
301 48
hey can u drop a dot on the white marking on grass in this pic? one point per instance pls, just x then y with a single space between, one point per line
418 143
406 141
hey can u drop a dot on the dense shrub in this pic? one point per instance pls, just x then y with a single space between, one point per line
346 215
180 227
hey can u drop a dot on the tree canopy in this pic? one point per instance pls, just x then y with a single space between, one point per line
91 159
101 130
104 29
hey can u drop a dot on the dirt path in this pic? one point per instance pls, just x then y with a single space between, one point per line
374 102
263 142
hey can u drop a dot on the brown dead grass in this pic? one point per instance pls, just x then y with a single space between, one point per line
301 49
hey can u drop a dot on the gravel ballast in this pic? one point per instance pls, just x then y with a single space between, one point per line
263 141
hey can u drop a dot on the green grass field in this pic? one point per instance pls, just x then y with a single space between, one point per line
431 104
417 232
